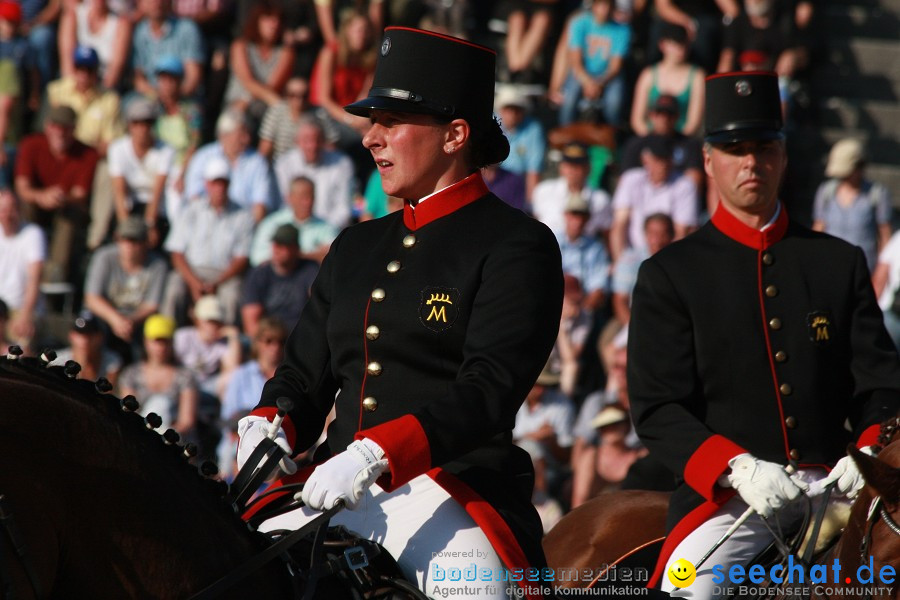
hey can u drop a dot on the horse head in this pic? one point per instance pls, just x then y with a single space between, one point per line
880 498
97 504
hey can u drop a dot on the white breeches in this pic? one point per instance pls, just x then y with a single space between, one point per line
426 531
749 539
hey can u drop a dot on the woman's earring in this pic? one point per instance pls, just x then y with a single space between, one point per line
449 149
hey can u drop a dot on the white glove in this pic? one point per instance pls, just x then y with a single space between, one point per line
846 473
251 431
763 485
345 476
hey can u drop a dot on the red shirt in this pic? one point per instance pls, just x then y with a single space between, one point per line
43 169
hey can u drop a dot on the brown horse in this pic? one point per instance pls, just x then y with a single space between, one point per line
609 529
96 505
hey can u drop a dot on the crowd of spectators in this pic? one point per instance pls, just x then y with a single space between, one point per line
180 167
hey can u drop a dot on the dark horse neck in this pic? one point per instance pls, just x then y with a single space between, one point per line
105 509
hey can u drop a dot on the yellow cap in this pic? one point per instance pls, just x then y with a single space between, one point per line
159 327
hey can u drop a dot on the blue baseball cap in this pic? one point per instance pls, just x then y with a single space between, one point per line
86 57
171 65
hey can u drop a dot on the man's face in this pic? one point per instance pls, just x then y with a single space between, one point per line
285 256
234 142
9 211
309 142
85 79
747 174
575 224
217 190
575 174
59 136
300 199
511 116
662 122
658 235
657 167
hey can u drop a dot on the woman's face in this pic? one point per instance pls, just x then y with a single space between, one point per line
408 150
268 28
676 50
358 33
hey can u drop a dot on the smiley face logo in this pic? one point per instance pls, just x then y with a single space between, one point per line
681 573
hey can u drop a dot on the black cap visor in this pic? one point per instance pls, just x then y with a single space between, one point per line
730 136
399 101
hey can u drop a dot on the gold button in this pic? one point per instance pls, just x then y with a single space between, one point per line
370 403
374 369
791 422
768 259
786 389
393 266
771 291
378 294
409 241
795 454
781 356
372 332
775 323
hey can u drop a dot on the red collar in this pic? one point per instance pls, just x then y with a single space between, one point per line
445 202
728 224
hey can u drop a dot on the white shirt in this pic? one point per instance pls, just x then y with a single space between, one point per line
17 253
140 173
677 197
208 238
549 205
332 176
890 255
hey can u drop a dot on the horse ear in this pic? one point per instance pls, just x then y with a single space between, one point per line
884 478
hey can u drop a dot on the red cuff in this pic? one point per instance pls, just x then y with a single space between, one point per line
869 437
269 413
405 446
708 462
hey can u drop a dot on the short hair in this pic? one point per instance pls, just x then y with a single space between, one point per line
268 325
662 218
229 121
303 179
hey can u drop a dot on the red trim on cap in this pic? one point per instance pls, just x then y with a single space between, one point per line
740 73
405 446
445 201
707 463
489 520
869 437
685 526
742 233
449 38
269 413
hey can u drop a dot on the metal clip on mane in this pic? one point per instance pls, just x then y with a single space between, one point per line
14 352
209 469
129 403
152 421
71 369
104 386
171 437
190 450
48 356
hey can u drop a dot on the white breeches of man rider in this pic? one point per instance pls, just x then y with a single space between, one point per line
426 531
749 539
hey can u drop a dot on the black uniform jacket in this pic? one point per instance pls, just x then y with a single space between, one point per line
761 342
431 325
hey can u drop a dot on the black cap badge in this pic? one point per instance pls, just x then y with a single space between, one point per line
743 88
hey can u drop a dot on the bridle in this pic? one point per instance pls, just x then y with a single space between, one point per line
877 512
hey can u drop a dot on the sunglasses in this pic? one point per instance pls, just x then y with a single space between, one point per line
267 341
